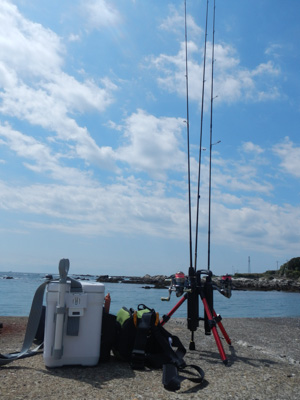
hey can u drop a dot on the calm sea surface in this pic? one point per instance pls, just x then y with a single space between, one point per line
16 297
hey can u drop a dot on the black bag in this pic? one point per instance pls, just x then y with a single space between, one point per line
108 336
141 340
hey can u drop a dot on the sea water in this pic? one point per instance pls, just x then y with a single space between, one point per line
16 297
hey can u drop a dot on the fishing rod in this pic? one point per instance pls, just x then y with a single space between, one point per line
210 140
193 286
188 140
192 308
193 297
200 144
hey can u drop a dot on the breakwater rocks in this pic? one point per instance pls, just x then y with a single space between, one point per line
279 284
159 281
162 282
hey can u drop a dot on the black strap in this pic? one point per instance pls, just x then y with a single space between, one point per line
172 381
138 353
171 361
167 342
32 326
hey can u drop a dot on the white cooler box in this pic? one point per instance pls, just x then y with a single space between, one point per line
81 329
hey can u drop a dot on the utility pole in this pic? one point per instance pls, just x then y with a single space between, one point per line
249 268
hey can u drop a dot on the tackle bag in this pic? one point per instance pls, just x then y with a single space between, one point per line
143 342
108 336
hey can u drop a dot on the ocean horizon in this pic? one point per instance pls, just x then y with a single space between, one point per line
16 296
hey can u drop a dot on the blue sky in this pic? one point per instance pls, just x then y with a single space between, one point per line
93 160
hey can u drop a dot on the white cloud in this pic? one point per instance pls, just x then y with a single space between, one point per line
175 23
37 90
41 159
74 37
27 47
173 70
250 147
100 13
232 82
290 157
128 206
153 144
258 225
274 50
134 207
266 68
236 176
80 97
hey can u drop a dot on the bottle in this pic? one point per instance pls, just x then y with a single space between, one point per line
107 301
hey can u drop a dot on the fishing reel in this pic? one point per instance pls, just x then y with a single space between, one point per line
179 284
226 286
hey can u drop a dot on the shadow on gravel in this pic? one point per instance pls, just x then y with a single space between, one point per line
95 376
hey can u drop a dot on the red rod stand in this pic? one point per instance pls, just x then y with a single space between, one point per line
215 332
212 319
166 317
222 329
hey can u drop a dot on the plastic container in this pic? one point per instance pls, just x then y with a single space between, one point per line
82 347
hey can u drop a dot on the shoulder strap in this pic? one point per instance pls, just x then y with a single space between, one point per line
167 342
173 360
32 326
138 352
172 381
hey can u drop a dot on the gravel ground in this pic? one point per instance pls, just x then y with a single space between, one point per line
263 363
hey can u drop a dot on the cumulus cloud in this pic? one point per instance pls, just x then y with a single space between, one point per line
232 81
41 93
23 40
258 225
174 23
40 157
289 155
172 69
274 50
153 144
100 13
250 147
129 206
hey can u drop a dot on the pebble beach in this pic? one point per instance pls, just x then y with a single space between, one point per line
263 363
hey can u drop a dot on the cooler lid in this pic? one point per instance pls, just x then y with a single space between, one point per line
87 287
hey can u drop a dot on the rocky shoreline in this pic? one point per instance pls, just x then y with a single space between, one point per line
279 284
162 282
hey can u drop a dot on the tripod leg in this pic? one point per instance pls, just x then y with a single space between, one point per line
193 316
215 332
207 293
222 329
166 317
193 307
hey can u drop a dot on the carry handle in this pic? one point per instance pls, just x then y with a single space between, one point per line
63 268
